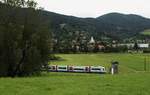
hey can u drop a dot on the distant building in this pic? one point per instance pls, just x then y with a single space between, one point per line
92 41
91 44
131 45
62 25
128 45
100 47
143 45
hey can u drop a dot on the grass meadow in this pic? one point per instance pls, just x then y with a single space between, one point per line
146 32
127 62
131 80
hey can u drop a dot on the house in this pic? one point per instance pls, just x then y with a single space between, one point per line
143 45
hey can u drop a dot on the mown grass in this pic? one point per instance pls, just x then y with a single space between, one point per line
131 80
128 62
146 32
78 84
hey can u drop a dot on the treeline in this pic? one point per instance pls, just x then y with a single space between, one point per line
25 41
92 48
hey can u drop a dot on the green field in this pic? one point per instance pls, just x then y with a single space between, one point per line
132 79
128 62
146 32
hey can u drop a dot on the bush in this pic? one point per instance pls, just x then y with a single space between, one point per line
146 51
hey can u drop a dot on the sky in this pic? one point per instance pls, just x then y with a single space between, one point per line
95 8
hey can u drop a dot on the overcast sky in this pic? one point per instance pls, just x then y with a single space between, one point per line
95 8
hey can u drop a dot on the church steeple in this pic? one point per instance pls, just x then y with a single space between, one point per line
92 41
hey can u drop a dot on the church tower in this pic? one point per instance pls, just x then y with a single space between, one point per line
92 41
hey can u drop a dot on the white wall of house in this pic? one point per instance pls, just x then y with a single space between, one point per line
143 45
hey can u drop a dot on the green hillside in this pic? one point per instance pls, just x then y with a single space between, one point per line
128 62
112 25
146 32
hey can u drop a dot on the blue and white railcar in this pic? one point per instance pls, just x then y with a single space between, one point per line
97 69
84 69
78 68
62 68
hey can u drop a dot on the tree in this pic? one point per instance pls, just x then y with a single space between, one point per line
24 45
21 3
31 4
14 3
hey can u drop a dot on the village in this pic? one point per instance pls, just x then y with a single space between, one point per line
138 44
94 45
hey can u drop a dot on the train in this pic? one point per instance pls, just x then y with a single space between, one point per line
81 69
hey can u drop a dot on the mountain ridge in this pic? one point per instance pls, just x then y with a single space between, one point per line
113 25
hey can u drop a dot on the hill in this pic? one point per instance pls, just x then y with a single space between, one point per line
113 25
124 26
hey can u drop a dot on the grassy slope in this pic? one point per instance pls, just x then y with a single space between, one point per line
128 62
133 83
146 32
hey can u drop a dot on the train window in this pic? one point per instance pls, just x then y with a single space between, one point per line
62 68
78 69
96 69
